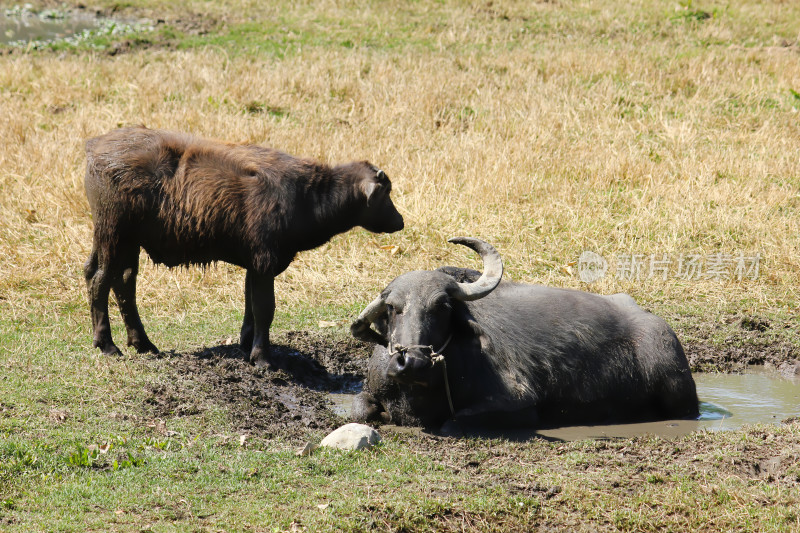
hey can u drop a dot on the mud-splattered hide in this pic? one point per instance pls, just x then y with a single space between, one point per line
457 344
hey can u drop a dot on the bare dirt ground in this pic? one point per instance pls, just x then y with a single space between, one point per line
748 341
286 403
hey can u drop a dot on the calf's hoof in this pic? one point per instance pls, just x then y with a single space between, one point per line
246 348
246 341
260 358
108 348
144 346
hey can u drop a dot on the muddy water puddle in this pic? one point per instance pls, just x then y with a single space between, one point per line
21 26
25 26
727 401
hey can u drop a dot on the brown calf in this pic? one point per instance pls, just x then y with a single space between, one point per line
193 201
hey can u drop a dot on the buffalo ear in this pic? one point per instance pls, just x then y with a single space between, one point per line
473 327
362 330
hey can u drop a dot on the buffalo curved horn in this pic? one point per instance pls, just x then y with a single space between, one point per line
492 270
361 328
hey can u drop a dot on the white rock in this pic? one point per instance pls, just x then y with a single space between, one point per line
352 437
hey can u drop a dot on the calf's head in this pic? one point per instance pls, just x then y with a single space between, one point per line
413 316
379 215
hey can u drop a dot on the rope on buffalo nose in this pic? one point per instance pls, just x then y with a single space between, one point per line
437 356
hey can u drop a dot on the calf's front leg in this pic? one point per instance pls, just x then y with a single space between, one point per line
246 334
262 305
124 287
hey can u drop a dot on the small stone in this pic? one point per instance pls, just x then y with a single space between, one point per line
352 437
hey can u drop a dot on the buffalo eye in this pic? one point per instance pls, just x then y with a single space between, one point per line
442 302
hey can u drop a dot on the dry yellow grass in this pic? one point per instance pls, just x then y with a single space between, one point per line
586 134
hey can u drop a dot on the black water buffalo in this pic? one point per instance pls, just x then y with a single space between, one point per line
458 344
187 200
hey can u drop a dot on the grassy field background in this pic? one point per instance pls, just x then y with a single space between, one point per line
547 128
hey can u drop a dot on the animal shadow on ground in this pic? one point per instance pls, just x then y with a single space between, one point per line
287 401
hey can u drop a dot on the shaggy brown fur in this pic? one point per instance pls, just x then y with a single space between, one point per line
192 201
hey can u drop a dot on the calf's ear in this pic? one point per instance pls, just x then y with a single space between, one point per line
369 187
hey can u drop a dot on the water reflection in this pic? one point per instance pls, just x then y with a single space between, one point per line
709 411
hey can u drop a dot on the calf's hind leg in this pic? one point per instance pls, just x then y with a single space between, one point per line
98 285
124 287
